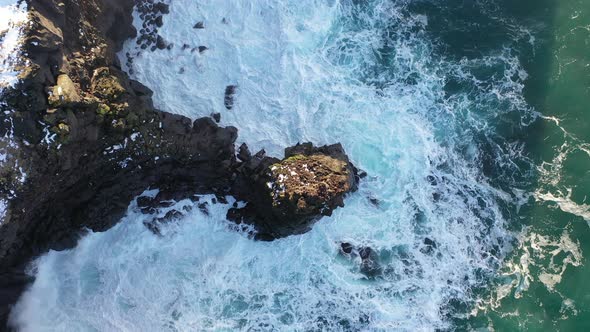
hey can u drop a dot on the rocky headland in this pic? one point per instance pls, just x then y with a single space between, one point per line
82 140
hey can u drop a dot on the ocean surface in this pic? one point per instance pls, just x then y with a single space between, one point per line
471 119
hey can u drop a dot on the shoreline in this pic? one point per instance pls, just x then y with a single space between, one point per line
90 141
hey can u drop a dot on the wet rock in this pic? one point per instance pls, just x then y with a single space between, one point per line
432 180
228 100
429 246
436 196
170 215
289 195
153 227
199 25
234 215
216 117
374 201
155 224
147 204
159 21
140 89
346 248
369 259
161 43
429 242
221 199
162 8
204 207
202 49
244 153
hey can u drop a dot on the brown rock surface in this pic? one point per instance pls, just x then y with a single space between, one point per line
288 196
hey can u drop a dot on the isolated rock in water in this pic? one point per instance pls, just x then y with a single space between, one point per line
369 259
230 91
286 197
309 184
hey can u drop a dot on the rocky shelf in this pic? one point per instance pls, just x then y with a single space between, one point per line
89 140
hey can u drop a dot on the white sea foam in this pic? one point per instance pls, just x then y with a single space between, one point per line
3 207
552 172
566 204
13 16
542 257
305 70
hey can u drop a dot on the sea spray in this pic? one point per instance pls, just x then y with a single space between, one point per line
367 75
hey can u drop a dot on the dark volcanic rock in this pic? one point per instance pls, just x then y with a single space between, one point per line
204 207
346 248
161 43
286 197
369 259
244 153
230 91
90 140
106 143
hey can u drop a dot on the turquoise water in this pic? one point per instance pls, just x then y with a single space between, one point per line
468 118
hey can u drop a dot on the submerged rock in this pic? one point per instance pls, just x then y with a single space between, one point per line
367 258
230 91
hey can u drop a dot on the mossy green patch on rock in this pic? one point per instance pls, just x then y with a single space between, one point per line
103 109
106 86
295 158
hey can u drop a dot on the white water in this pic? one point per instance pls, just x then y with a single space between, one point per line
12 18
306 70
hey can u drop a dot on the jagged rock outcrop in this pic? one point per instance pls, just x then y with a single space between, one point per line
287 196
88 139
94 138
